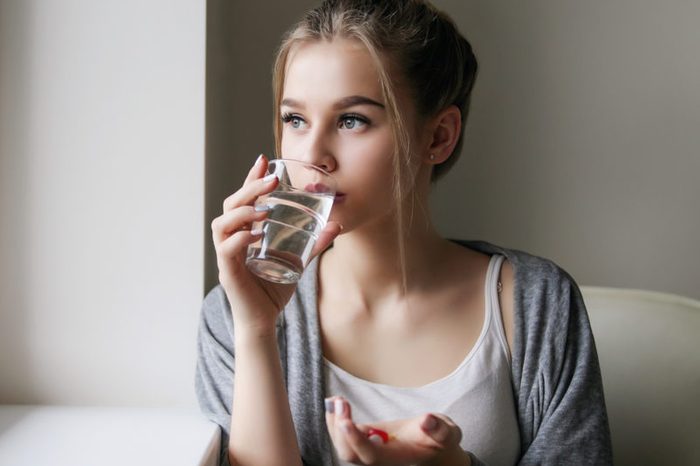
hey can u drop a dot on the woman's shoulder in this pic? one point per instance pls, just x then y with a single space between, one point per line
529 271
545 298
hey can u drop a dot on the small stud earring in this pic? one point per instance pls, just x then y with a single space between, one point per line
432 156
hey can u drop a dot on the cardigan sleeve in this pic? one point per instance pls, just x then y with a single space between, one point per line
215 364
215 370
556 374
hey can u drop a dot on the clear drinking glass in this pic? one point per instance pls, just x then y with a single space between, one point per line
300 206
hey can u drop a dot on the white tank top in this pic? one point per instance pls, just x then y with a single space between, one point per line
477 395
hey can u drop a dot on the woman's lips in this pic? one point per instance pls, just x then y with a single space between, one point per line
317 188
322 188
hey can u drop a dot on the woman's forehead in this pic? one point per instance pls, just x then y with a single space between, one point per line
339 67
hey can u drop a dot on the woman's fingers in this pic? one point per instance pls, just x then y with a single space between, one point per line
341 415
349 439
362 447
341 428
330 417
257 170
235 220
235 244
440 430
399 441
232 235
250 191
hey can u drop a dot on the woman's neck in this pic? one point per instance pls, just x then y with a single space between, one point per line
367 262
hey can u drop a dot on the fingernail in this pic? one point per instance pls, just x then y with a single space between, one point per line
341 226
263 208
329 406
259 159
339 407
256 232
269 178
429 423
346 427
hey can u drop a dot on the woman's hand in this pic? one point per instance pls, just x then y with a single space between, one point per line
427 440
255 302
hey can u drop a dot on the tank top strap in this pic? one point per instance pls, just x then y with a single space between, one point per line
493 306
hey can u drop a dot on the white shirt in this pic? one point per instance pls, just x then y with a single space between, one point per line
477 395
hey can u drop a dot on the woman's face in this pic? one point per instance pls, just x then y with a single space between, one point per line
334 116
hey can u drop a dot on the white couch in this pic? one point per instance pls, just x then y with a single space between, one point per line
649 349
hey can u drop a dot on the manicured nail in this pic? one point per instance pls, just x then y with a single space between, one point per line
259 159
256 232
339 407
430 423
263 208
269 178
329 406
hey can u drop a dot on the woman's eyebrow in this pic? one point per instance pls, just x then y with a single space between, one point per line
291 103
356 100
345 102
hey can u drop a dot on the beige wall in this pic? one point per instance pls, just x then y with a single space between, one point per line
582 146
584 142
101 189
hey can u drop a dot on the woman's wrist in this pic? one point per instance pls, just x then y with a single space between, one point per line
247 325
254 337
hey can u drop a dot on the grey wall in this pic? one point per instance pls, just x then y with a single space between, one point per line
241 41
582 146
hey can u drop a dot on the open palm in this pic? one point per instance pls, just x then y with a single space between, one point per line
425 440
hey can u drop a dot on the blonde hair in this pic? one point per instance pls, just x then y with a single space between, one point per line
409 40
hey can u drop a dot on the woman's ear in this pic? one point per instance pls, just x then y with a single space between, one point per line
446 127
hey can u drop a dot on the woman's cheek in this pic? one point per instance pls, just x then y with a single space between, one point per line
289 145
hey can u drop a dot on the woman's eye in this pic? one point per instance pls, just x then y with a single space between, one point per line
294 121
352 122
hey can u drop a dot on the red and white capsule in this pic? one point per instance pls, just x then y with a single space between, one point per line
377 436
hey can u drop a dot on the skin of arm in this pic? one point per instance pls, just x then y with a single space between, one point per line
262 431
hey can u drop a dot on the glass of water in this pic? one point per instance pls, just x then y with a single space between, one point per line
300 206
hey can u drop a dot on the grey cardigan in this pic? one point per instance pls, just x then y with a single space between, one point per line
555 371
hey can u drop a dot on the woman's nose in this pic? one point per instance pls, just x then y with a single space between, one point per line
320 153
326 163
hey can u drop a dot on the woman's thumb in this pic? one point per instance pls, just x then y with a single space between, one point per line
437 429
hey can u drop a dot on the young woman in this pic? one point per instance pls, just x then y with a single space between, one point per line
397 347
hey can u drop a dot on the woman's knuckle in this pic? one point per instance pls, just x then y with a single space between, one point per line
230 202
217 224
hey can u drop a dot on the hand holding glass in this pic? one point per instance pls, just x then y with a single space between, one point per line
300 206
